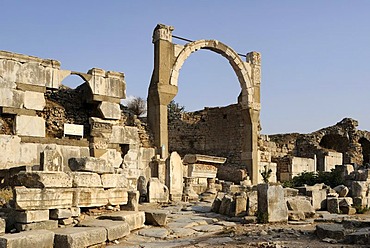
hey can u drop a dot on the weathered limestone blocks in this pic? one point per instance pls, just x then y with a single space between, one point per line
157 192
90 164
124 135
115 229
110 110
41 199
272 202
51 160
135 220
132 201
156 217
114 181
341 190
13 153
289 167
35 238
301 204
188 193
75 237
318 198
108 83
41 225
95 197
33 126
82 179
60 213
11 98
43 179
34 100
30 216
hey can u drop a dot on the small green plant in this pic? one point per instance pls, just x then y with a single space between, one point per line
266 174
262 217
361 210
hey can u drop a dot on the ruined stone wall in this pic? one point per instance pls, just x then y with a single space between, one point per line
34 106
212 131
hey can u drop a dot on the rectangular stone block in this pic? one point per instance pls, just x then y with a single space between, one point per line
40 199
45 179
31 216
42 225
35 238
114 181
75 211
135 220
11 98
32 126
86 180
78 237
10 151
2 226
115 229
90 164
60 213
95 197
124 135
34 100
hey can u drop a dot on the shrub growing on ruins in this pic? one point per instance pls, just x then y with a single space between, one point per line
266 174
137 106
175 109
332 179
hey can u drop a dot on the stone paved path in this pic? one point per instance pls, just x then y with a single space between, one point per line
184 225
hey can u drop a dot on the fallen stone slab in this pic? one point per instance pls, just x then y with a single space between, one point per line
208 228
35 239
79 237
156 217
156 232
46 224
115 229
332 231
296 215
45 179
135 220
302 205
225 223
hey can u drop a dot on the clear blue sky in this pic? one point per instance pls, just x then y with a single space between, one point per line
315 54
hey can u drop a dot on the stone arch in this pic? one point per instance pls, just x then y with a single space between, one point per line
168 60
227 52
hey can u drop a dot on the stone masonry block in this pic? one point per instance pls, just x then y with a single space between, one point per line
90 164
32 126
115 229
45 179
86 179
31 216
114 181
60 213
11 98
110 110
34 100
124 135
271 201
35 238
40 199
51 160
135 220
94 197
78 237
41 225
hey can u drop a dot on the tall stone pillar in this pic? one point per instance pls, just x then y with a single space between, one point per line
160 91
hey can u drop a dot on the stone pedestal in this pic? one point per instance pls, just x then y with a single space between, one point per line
189 193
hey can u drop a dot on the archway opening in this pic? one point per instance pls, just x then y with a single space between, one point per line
365 145
208 89
335 142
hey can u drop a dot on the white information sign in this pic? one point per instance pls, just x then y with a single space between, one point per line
73 129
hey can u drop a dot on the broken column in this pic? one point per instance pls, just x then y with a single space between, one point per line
271 203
